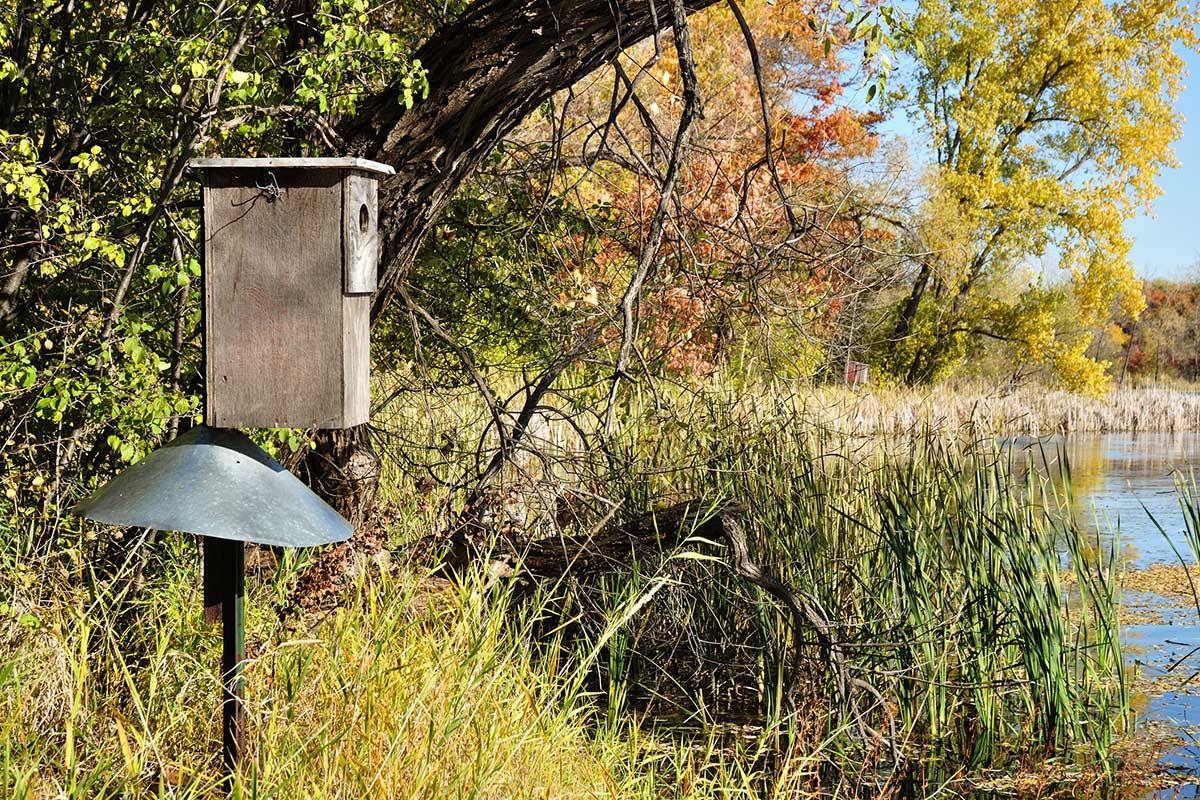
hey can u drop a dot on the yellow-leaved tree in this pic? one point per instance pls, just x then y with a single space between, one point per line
1051 121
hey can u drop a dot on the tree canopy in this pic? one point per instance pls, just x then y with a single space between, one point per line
1051 123
602 187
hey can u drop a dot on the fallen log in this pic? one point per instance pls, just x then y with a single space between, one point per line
616 548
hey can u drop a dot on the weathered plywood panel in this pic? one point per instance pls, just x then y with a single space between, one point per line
274 333
360 240
356 349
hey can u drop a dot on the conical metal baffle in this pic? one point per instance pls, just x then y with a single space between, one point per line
216 482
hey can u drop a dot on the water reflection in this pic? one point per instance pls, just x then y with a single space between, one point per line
1116 479
1123 484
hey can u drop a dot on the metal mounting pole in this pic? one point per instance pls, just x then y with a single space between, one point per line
217 483
224 590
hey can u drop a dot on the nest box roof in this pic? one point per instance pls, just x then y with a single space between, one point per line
292 163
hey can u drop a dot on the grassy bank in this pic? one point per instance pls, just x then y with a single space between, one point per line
938 578
373 701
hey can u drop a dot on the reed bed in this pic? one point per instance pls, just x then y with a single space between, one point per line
441 437
937 558
1037 411
941 573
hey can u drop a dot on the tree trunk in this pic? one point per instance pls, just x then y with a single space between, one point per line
909 312
487 71
344 470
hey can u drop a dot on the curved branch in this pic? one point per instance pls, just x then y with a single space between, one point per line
500 61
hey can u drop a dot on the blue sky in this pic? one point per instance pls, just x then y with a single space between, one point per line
1167 244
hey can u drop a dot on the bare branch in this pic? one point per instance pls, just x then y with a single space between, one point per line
679 148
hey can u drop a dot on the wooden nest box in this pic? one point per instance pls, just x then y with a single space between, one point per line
290 253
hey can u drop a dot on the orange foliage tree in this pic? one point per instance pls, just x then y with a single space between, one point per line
769 229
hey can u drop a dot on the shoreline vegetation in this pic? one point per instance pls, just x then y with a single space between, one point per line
939 581
978 410
621 248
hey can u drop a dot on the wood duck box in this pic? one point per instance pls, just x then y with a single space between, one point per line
290 258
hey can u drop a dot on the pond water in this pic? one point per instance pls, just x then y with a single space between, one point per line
1122 480
1123 485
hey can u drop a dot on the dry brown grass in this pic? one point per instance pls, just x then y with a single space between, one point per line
982 410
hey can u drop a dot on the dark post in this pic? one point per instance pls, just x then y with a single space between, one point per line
224 588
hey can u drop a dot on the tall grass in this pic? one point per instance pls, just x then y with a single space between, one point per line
939 570
1189 503
411 688
373 701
